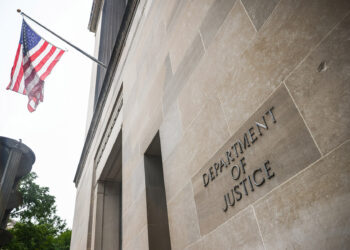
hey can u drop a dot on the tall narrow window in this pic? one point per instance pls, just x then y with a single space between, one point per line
108 208
157 214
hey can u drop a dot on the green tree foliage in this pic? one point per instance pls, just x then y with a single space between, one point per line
37 227
62 242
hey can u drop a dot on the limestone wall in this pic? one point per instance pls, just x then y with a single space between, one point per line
202 73
197 71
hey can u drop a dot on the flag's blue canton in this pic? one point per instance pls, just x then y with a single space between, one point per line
28 38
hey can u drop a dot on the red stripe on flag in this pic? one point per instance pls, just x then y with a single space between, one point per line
38 52
45 59
29 106
39 66
30 78
26 65
35 55
31 110
18 80
14 65
16 59
8 86
43 76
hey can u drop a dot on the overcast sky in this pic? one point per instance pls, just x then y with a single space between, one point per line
56 130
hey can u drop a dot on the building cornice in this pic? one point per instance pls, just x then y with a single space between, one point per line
107 82
94 15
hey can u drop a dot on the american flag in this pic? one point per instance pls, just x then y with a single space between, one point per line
35 58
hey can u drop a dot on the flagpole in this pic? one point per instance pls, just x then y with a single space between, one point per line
75 47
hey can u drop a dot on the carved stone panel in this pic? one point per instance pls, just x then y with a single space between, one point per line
273 145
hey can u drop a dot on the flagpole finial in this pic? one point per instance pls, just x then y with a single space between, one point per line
19 10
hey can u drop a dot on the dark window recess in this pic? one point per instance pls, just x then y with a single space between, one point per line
112 16
157 214
108 213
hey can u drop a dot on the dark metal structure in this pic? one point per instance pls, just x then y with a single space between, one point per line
16 160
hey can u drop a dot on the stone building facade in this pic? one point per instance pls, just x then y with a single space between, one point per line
218 124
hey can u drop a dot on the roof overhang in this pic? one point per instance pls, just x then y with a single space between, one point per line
94 15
